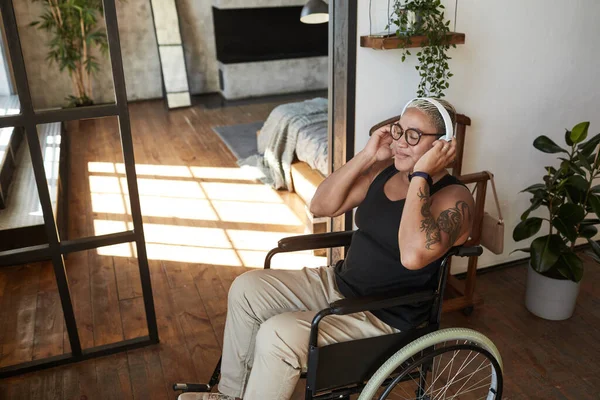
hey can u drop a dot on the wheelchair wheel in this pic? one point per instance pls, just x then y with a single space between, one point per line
457 364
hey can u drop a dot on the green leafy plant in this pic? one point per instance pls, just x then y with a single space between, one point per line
426 18
568 193
73 25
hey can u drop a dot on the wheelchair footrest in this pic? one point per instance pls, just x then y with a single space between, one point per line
191 387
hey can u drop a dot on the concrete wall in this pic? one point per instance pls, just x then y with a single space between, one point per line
49 86
263 78
141 63
526 69
197 33
257 3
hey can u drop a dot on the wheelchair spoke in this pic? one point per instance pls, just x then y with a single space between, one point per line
456 381
471 375
439 361
441 372
467 391
461 368
454 377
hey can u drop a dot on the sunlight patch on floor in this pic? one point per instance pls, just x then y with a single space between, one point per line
180 198
255 240
105 184
174 171
189 254
166 188
186 235
258 213
240 192
245 173
101 167
110 203
154 206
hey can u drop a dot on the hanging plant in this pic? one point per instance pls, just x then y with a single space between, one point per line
426 18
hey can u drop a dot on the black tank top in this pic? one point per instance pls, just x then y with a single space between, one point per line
372 265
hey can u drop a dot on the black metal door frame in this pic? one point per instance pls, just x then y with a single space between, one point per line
55 249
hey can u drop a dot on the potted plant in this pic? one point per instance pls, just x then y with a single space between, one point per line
567 192
426 18
73 26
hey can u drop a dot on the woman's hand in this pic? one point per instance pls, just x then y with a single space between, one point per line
436 158
378 146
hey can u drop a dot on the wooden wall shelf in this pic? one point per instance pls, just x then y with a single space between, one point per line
394 42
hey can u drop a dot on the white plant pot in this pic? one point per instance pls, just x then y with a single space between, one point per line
549 298
414 21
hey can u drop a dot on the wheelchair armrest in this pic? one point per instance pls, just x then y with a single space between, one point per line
315 241
310 242
468 251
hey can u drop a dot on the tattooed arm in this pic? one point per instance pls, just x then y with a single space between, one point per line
430 226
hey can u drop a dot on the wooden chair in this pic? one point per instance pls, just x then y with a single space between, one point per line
465 298
464 291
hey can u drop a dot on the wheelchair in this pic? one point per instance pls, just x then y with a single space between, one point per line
423 363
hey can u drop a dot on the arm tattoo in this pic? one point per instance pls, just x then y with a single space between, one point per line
428 224
449 221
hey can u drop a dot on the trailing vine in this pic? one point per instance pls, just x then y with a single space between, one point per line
426 18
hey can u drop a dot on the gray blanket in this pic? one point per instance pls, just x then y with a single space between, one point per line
278 138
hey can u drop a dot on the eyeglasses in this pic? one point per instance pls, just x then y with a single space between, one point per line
413 136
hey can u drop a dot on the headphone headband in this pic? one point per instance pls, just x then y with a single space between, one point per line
443 112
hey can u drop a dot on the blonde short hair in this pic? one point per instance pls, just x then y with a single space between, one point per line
432 112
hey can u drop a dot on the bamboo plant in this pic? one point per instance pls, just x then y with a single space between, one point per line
73 26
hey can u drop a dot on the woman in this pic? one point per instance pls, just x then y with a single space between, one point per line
410 213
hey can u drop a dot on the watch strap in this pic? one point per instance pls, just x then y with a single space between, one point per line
423 175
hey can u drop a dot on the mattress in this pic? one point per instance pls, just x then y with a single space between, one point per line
312 146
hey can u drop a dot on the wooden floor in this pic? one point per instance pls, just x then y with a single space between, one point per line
200 215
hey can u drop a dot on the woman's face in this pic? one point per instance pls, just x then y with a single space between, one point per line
405 155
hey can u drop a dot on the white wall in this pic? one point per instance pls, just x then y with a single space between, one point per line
526 69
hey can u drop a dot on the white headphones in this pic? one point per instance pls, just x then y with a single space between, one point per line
444 113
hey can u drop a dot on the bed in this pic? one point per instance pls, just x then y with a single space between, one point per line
293 133
293 150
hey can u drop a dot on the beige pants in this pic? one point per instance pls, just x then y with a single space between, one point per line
265 347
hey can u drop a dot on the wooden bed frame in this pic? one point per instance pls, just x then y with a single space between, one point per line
306 180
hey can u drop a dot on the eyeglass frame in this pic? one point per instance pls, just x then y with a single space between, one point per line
411 129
